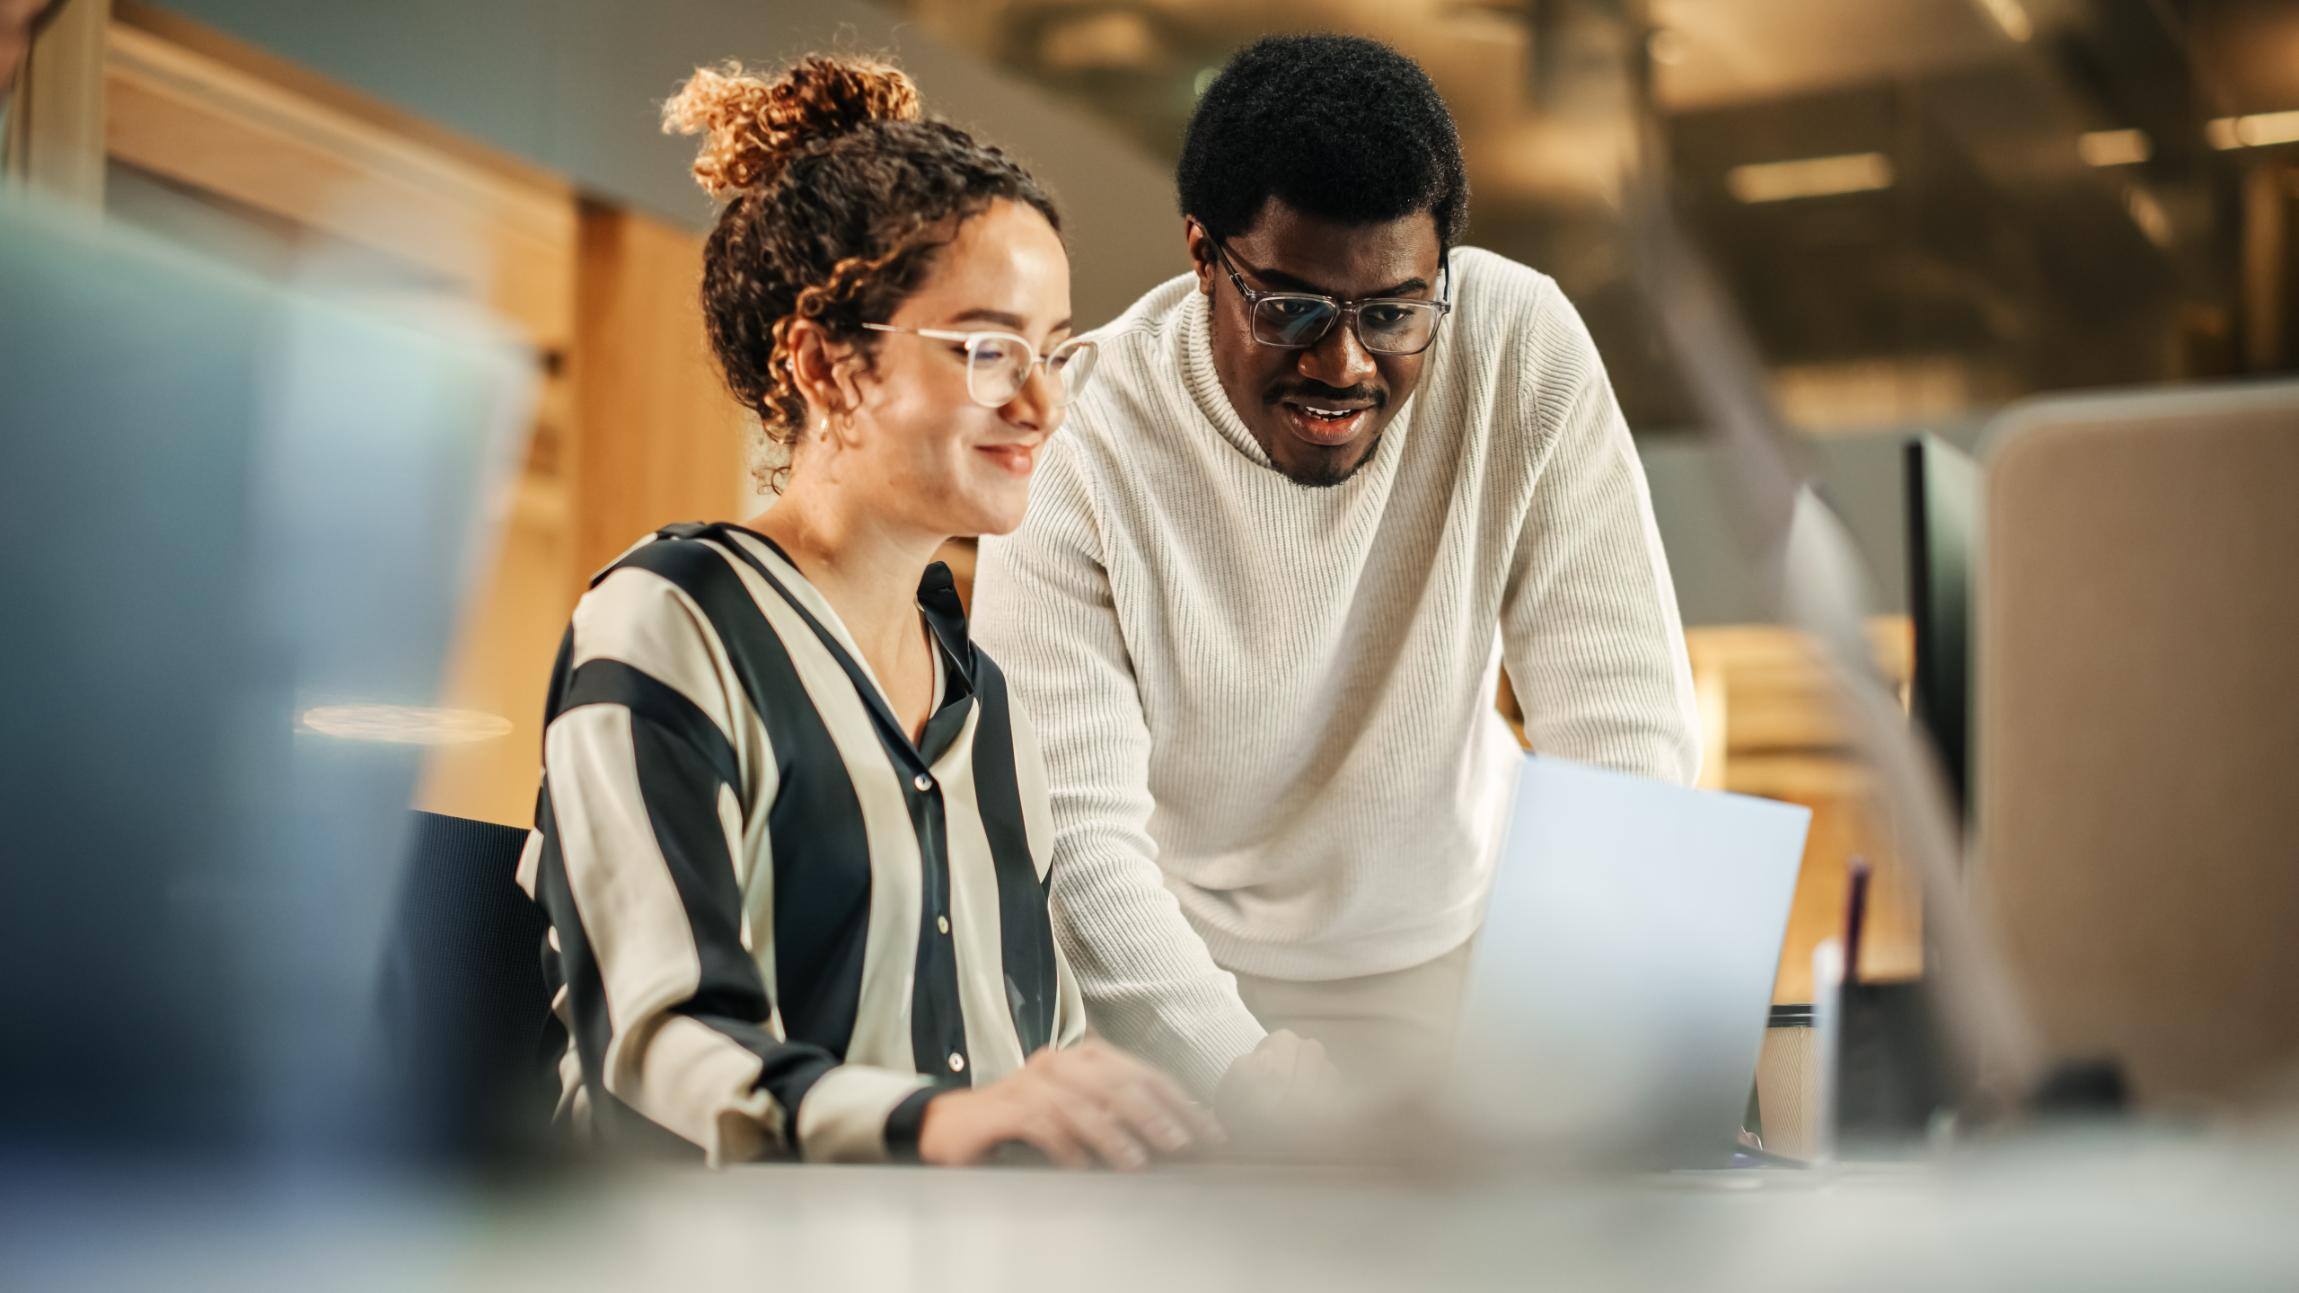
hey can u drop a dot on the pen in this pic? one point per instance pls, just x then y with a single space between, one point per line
1855 918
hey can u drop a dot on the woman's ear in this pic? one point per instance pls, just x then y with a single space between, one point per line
814 367
846 369
827 374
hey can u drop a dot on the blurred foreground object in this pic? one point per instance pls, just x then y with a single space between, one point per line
2116 1211
1816 585
226 504
2138 731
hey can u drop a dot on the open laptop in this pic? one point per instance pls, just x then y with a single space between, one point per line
1619 988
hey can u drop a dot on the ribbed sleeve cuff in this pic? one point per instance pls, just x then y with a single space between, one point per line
1198 1051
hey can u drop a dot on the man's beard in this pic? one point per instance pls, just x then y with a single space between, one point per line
1322 473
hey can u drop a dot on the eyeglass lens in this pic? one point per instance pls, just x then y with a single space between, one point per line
997 368
1385 327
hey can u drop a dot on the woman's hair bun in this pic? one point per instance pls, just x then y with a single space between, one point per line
753 126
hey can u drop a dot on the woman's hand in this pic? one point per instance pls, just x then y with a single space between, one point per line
1091 1103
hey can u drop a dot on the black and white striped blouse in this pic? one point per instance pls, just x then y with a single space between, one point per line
777 926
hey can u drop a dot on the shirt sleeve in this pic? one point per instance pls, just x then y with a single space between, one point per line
1589 622
1042 601
640 824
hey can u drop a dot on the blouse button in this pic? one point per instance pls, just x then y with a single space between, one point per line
923 782
957 1062
942 923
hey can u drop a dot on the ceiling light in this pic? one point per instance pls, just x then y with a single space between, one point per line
2148 214
403 724
1809 177
2114 147
2255 131
1111 40
2009 17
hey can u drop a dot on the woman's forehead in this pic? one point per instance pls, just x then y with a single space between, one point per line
1006 262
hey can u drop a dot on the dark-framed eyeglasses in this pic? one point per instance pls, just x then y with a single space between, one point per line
1385 325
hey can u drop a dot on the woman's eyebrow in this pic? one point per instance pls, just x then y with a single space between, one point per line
1003 319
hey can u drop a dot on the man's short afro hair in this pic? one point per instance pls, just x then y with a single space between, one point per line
1339 127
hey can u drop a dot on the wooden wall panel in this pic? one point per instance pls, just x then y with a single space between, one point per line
652 438
55 127
502 235
662 439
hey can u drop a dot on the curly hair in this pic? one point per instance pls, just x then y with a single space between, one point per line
1337 126
842 192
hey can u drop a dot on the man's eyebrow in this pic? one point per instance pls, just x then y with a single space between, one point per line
1283 281
1278 278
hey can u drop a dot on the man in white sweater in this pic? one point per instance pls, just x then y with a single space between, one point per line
1323 487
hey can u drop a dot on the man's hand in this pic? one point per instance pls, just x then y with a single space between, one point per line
1285 1090
1091 1103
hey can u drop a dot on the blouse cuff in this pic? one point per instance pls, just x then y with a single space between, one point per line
904 1124
851 1115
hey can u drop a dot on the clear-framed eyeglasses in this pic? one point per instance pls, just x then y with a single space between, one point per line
998 364
1385 325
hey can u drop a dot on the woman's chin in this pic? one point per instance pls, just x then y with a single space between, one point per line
1001 521
984 517
996 509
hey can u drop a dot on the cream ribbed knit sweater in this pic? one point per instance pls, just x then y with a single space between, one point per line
1267 709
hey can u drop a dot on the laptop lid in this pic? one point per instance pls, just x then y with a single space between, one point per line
1619 986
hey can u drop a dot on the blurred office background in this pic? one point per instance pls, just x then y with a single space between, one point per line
1923 209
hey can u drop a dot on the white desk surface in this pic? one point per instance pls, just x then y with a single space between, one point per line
2092 1213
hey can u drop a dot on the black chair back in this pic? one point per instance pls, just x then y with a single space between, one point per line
464 1003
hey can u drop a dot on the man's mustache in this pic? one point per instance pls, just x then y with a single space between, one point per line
1319 391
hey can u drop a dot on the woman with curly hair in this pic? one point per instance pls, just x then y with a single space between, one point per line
792 834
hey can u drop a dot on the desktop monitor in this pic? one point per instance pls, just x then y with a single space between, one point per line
1943 490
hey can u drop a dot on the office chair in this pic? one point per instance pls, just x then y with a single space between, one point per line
464 1004
2137 731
